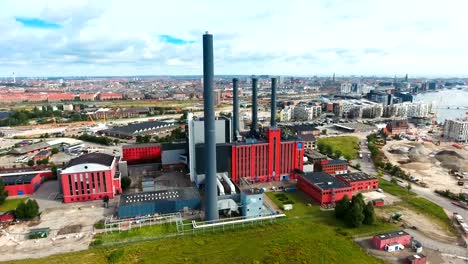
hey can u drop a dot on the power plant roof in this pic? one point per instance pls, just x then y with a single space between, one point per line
324 180
97 158
157 196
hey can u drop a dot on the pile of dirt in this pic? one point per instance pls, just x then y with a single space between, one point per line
398 149
451 160
419 153
71 229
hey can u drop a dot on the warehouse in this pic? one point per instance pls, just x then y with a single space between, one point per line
158 202
92 176
30 149
359 181
141 153
144 128
24 183
323 187
381 240
333 167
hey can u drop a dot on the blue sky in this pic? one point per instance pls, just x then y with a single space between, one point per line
296 37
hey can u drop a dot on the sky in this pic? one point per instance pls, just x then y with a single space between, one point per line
302 38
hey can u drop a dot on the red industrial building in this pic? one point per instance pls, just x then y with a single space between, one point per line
266 160
57 97
42 155
381 240
323 187
359 181
110 96
91 176
141 153
397 127
24 183
333 167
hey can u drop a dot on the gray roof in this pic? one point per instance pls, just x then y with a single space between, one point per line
18 179
98 158
157 196
324 180
356 176
388 235
336 162
145 145
30 148
136 128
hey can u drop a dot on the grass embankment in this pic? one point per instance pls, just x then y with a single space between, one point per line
420 205
135 233
11 204
307 235
348 145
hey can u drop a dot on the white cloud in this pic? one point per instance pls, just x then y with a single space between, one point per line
298 37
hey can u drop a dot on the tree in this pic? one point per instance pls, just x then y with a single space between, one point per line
125 182
324 132
54 151
139 139
355 215
54 171
369 214
321 147
380 173
342 207
348 157
408 187
3 192
338 154
30 163
27 210
358 166
394 180
328 150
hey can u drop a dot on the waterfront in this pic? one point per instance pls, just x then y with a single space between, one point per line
446 102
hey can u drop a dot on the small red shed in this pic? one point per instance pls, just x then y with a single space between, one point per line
379 241
416 259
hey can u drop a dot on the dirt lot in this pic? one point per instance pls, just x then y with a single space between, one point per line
421 222
71 230
423 160
373 195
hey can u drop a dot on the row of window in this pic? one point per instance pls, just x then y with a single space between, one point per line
87 183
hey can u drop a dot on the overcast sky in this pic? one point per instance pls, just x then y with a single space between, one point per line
162 37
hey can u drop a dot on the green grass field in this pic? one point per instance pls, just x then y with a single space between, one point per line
307 235
418 204
11 204
348 145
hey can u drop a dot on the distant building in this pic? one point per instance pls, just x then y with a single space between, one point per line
110 96
307 112
397 127
87 97
42 155
144 128
68 107
333 167
92 176
456 130
286 114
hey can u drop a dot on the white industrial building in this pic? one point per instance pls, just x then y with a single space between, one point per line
307 112
286 114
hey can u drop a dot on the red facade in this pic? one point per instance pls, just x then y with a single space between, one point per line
381 240
28 188
272 160
110 96
332 168
89 185
138 154
320 195
363 185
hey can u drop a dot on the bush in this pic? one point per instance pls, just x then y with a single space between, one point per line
3 192
115 256
125 182
342 207
54 151
27 210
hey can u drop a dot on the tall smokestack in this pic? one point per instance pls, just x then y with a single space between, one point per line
235 108
211 193
254 126
273 103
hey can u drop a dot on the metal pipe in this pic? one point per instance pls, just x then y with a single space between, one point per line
235 108
211 194
254 125
273 103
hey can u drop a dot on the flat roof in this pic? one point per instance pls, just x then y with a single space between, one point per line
98 158
336 162
314 155
324 180
388 235
134 128
145 145
357 176
157 196
30 148
18 179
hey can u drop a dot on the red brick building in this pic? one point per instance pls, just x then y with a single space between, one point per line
58 97
381 240
24 183
333 167
359 181
323 187
87 97
91 176
141 153
397 127
110 96
42 155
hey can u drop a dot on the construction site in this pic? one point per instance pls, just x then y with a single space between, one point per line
439 166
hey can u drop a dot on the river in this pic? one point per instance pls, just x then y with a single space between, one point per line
446 102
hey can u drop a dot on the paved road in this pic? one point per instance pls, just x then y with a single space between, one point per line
436 245
367 166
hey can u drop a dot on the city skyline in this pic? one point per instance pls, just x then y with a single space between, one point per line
83 38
